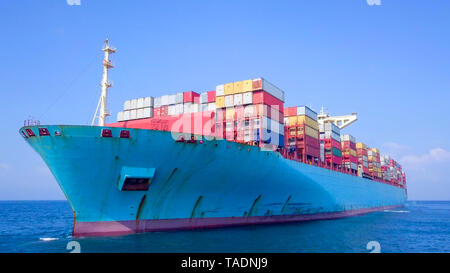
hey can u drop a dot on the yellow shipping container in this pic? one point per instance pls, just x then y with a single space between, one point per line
361 145
247 86
238 87
375 150
220 102
349 152
309 132
229 113
292 121
308 121
229 88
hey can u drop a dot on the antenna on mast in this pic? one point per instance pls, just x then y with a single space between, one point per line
104 85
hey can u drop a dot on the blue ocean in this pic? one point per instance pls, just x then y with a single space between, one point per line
420 226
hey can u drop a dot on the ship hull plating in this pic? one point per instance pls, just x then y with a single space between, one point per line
213 184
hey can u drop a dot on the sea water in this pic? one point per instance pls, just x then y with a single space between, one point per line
419 226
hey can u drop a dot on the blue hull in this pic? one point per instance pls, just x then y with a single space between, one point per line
217 183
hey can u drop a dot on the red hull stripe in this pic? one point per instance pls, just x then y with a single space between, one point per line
108 228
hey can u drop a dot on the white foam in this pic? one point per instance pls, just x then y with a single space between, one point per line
47 239
397 211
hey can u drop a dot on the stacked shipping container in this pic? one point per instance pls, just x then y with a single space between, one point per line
374 163
330 141
363 161
302 134
349 154
136 109
392 171
250 112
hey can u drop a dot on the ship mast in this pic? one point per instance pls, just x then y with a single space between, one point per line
104 85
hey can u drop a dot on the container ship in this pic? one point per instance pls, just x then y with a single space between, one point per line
229 156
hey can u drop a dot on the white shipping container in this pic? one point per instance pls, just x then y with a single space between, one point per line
148 112
329 126
133 114
271 89
140 103
204 97
148 102
140 113
195 107
157 102
165 100
220 90
203 107
133 104
179 98
127 105
353 166
187 107
229 101
179 108
126 115
305 110
171 110
322 152
172 99
120 116
333 135
273 126
349 138
212 106
247 98
249 111
237 99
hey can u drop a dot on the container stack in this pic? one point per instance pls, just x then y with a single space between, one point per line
177 104
168 105
392 171
349 154
136 109
374 163
330 140
302 134
251 112
363 160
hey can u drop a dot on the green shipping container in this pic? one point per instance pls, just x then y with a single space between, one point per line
337 152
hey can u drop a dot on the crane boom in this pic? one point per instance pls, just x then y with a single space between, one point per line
340 121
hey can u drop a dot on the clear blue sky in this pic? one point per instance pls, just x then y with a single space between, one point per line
389 62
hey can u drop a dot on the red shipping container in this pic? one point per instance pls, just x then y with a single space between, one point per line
307 140
263 110
211 96
311 150
157 112
333 159
262 97
191 96
350 158
331 142
361 152
257 84
349 145
290 112
164 111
